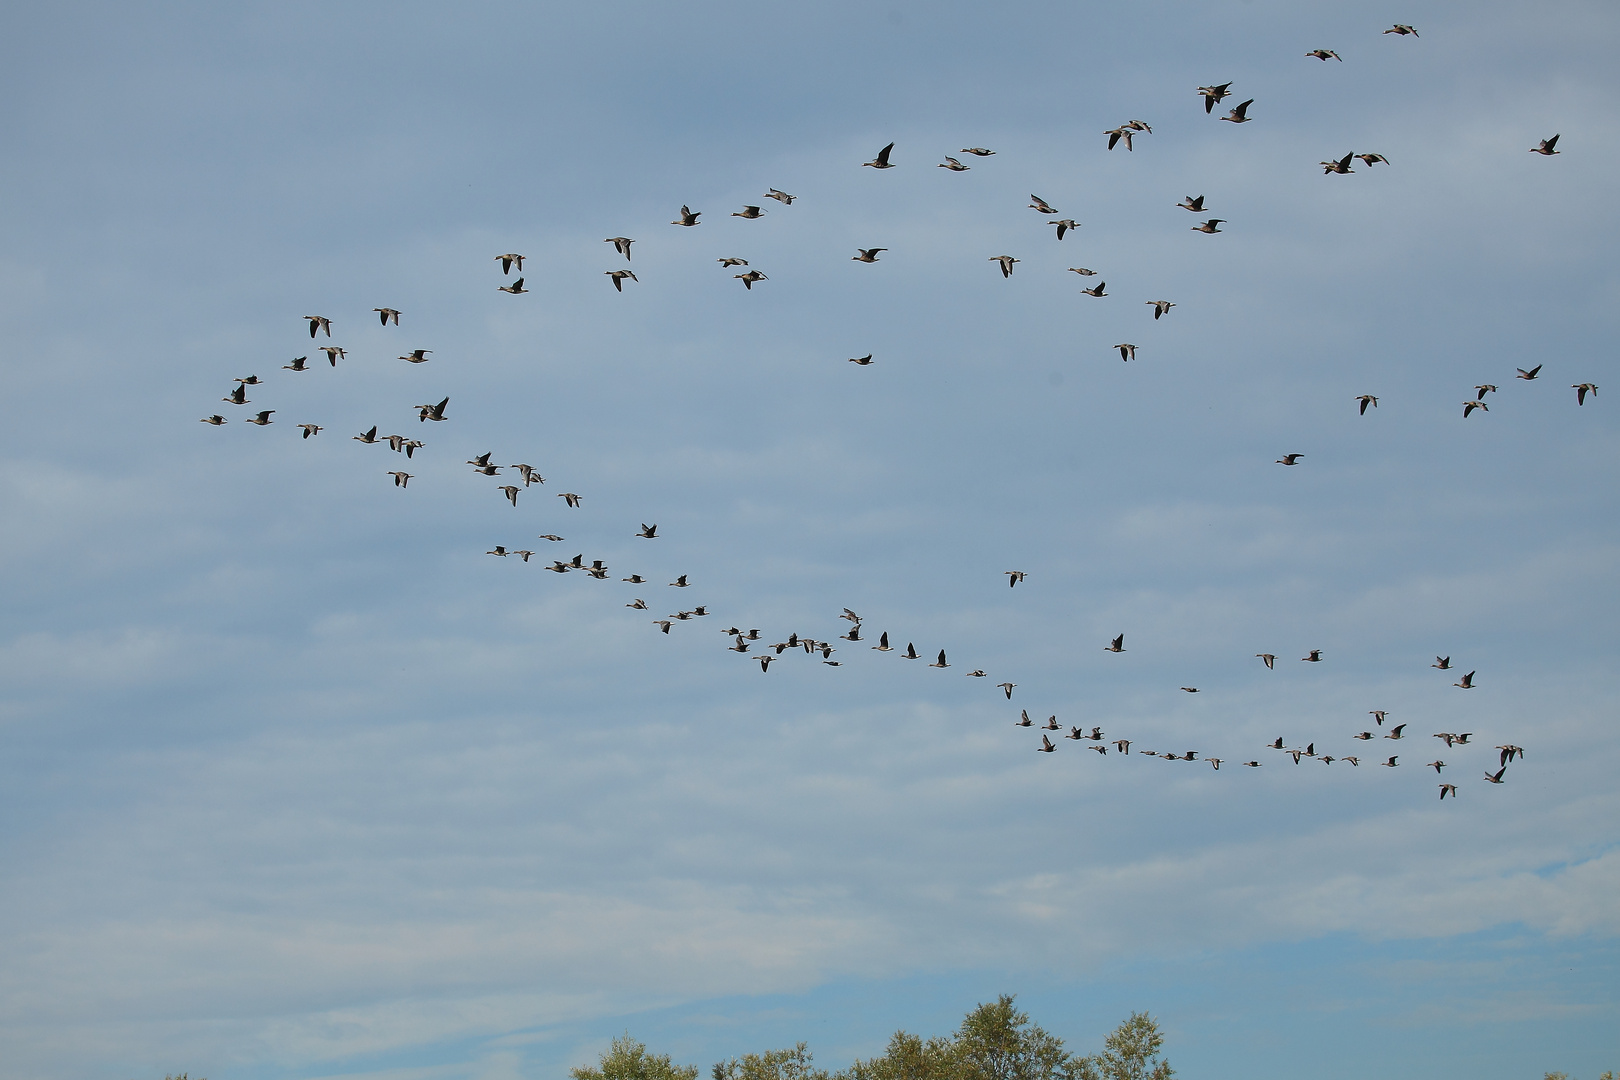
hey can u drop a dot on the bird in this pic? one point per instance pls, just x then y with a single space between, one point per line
1528 375
1467 682
262 419
530 476
749 213
1160 307
386 313
1046 746
634 579
1137 125
1240 115
911 652
319 322
556 538
1075 733
570 498
1209 226
1116 134
1401 30
1545 149
522 553
311 429
1051 724
861 360
1391 763
334 354
1323 54
664 625
749 278
1014 577
249 380
296 365
432 412
1289 459
1023 720
648 532
1270 660
1007 688
1470 406
689 217
952 164
1395 732
618 277
1213 95
1436 765
215 420
1581 390
1448 789
1190 689
978 674
867 255
1341 166
977 151
516 288
1127 351
1098 290
883 643
1352 760
1442 662
1373 159
509 260
1509 752
417 356
729 262
1496 777
940 663
237 396
1364 736
680 583
1082 271
621 244
1195 203
1378 715
1116 645
1314 658
367 437
511 492
1252 764
882 159
1447 736
1482 389
411 446
1038 203
1064 225
1366 400
780 196
1006 262
498 550
403 478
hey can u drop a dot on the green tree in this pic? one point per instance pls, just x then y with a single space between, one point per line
908 1057
997 1042
1131 1053
627 1059
791 1064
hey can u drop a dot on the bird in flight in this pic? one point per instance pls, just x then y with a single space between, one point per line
1116 134
1038 203
727 263
689 217
1496 777
618 277
1214 95
1323 54
432 412
749 213
749 278
1116 645
570 498
1082 271
621 244
1240 115
1270 660
1448 789
215 420
1467 681
511 491
1289 459
1470 406
1014 577
1064 225
867 255
1097 290
648 532
882 159
1545 149
262 419
1127 351
780 196
319 322
1528 375
296 365
1442 662
1007 688
1006 262
1046 746
1366 400
1482 389
1160 308
1401 30
1342 166
386 313
1581 390
940 663
1195 203
509 260
952 164
1209 226
977 151
403 478
1314 658
311 429
861 360
1373 159
367 437
334 354
237 396
516 288
417 356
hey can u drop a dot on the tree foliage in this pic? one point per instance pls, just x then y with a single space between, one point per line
1130 1053
791 1064
627 1059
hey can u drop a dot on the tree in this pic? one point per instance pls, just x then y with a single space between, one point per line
627 1059
791 1064
997 1042
908 1057
1131 1054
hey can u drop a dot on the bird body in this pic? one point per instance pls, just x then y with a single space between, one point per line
882 159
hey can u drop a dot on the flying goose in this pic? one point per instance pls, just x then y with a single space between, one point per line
1270 660
367 437
883 643
861 360
1082 271
1395 732
509 260
882 159
1117 645
1545 149
680 583
648 532
403 478
311 429
1051 724
1046 746
1314 658
1213 95
976 151
215 420
262 419
911 652
386 313
1378 715
1467 682
1323 54
1097 290
432 412
1341 166
780 196
1373 159
1496 777
296 365
1014 577
1160 307
1209 226
749 213
1442 662
1240 115
1127 351
940 663
618 277
1481 389
1448 789
237 396
867 255
319 322
511 491
952 164
729 262
248 380
1401 30
570 498
1006 262
1289 459
334 354
1038 203
621 244
416 356
1528 375
1470 406
1116 134
1064 225
1581 390
516 288
689 217
1366 400
1007 688
749 278
1195 203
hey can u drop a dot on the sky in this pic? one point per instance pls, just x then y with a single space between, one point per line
296 781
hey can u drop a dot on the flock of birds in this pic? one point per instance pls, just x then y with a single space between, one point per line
752 643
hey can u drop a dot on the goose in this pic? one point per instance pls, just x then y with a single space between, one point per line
618 277
1373 159
641 605
1007 688
882 159
1289 459
1442 662
1528 375
1014 577
367 437
1462 739
1240 115
215 420
1195 203
403 478
516 288
1364 736
1098 290
1323 54
386 313
1213 95
1496 777
634 579
1116 645
940 663
978 674
248 380
334 354
648 532
1083 271
1366 400
530 476
883 643
559 568
1116 134
237 396
1378 715
1038 203
1137 125
680 583
1127 351
499 549
416 356
1214 761
1395 732
311 429
729 262
1581 390
432 412
1401 30
1006 262
1467 682
555 538
1046 746
1160 308
1545 149
509 260
1252 764
749 278
1448 789
482 460
1075 733
1023 720
1470 406
1103 750
1314 658
977 151
867 255
863 361
1352 760
664 625
780 196
319 322
1436 765
1270 660
570 498
853 635
1509 752
621 244
911 652
1209 226
262 419
689 217
1390 763
411 446
1447 737
1482 389
511 491
1190 689
952 164
1051 724
1064 225
522 553
749 213
1122 745
296 365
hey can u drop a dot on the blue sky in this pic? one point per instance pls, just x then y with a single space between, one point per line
298 782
